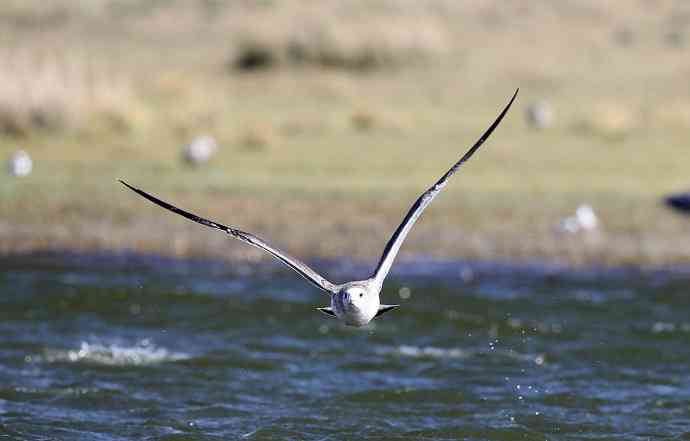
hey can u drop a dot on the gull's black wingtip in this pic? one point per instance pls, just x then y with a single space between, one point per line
126 185
497 122
510 103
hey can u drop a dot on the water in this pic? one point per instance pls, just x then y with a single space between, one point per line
127 347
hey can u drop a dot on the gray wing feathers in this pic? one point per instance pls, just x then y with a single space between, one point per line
300 267
396 241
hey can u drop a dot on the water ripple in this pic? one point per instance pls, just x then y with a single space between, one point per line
477 351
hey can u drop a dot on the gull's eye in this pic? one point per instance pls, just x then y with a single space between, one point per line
361 294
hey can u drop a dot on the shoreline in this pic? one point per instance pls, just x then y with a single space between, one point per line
466 270
440 236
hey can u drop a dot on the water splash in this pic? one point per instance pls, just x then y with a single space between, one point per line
141 354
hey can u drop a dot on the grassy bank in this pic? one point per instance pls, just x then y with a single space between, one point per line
345 119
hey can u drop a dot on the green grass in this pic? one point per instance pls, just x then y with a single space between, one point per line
326 161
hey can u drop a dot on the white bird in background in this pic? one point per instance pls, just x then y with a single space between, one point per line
539 115
200 150
584 220
20 164
355 303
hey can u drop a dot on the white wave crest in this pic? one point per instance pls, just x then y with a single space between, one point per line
457 353
142 353
425 352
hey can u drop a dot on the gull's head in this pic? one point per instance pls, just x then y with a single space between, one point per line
355 297
361 301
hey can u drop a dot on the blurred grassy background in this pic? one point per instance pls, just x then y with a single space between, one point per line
332 117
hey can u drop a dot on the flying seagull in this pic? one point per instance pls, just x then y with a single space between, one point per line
355 303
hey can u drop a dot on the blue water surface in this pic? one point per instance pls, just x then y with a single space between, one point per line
127 347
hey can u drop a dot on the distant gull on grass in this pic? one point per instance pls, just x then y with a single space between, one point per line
355 303
20 164
539 115
584 220
200 150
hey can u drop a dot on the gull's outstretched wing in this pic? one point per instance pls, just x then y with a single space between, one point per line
301 268
393 245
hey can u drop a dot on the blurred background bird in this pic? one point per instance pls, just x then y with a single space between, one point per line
19 164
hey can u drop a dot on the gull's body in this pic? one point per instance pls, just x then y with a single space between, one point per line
355 303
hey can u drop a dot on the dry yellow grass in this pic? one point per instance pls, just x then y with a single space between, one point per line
56 91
